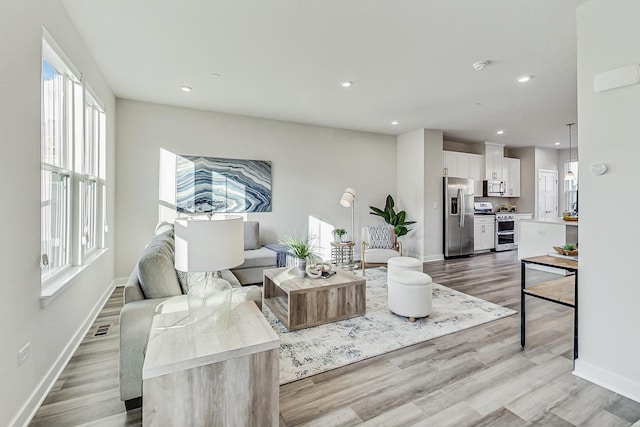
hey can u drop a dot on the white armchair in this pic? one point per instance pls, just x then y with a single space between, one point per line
379 244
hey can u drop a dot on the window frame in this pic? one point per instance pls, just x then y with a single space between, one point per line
571 186
61 164
84 177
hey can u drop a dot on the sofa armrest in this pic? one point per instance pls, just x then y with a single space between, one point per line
135 325
132 291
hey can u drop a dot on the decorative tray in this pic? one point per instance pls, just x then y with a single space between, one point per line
570 218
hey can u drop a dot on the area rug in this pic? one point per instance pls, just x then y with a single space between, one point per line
314 350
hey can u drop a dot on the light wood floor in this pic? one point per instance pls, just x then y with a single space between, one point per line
476 377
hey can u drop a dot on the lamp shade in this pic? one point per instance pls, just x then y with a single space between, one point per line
209 244
348 197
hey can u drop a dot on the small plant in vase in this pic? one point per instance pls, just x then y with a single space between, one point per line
301 248
339 233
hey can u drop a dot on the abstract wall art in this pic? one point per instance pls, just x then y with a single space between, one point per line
212 184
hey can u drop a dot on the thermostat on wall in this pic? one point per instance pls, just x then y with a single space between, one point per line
598 168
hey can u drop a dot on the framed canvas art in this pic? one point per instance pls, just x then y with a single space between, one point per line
213 184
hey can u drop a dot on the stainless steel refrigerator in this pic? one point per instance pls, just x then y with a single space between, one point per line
458 217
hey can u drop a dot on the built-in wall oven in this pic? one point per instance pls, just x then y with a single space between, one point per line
505 231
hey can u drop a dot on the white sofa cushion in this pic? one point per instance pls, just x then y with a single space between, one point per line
379 256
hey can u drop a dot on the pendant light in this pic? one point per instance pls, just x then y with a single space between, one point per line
570 176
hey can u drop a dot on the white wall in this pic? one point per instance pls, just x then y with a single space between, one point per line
528 178
608 34
420 192
411 188
434 216
50 330
311 167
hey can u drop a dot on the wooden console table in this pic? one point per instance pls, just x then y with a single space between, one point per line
227 378
562 291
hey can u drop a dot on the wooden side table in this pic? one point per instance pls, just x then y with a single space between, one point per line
342 255
228 378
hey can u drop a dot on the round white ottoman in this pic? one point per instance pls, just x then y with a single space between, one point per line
403 263
410 294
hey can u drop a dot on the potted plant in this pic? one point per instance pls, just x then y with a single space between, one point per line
301 248
338 233
391 217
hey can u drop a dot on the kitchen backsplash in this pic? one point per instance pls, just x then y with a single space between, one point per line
497 201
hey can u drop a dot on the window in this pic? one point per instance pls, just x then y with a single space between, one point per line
91 184
72 168
57 86
571 187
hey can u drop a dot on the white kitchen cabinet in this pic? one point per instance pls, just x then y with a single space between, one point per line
450 164
462 165
484 230
511 175
516 227
493 155
476 171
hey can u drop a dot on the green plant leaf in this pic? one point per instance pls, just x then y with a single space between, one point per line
389 202
397 220
376 211
402 215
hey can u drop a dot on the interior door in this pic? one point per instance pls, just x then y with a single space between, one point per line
547 194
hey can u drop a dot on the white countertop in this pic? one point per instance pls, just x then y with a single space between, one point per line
552 221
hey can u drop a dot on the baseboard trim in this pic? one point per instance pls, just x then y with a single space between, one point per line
607 379
432 258
31 406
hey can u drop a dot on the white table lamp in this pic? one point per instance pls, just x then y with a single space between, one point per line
209 245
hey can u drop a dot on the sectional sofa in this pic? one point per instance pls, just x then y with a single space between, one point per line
154 280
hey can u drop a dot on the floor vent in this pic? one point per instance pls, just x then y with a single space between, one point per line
102 330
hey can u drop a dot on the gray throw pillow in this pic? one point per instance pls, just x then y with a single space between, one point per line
188 279
164 227
156 272
251 235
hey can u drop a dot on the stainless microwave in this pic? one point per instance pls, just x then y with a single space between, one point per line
493 188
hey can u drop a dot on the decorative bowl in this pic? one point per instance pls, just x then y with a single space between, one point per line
563 251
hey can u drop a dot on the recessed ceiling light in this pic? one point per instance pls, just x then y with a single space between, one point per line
185 88
556 143
216 75
500 132
346 84
395 122
523 79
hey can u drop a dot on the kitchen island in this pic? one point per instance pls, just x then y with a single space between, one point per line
538 237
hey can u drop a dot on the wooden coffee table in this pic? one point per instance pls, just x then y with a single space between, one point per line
305 302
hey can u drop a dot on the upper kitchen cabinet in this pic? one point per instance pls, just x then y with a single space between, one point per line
511 175
450 164
493 155
462 165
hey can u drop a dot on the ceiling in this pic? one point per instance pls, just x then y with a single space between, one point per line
409 60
